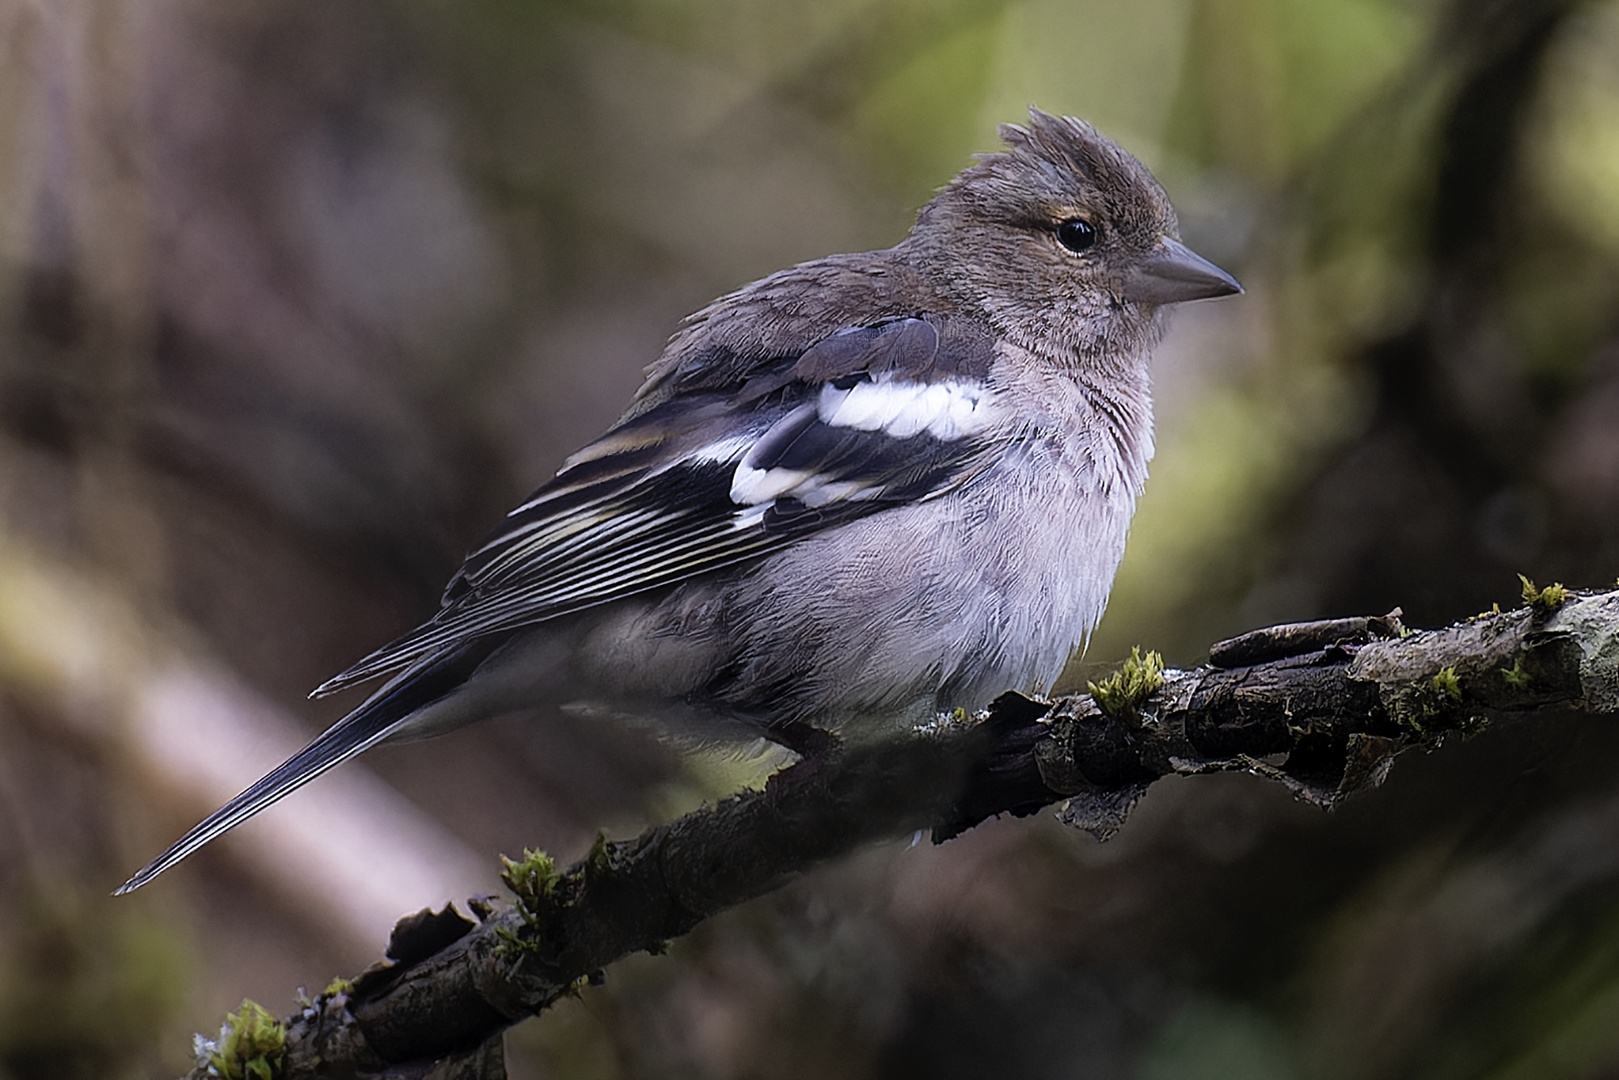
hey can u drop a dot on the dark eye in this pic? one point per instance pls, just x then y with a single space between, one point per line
1076 234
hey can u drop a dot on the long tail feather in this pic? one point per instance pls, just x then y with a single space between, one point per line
429 681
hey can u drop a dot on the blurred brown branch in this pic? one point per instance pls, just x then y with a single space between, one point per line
1321 708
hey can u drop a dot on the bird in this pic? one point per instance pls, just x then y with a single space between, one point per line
848 496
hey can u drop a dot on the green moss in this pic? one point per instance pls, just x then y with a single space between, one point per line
1124 690
1515 676
606 858
530 878
1446 682
599 859
513 943
1544 600
337 986
1431 702
252 1045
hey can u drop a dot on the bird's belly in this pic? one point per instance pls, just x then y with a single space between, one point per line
884 621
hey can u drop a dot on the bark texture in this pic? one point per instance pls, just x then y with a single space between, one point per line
1322 708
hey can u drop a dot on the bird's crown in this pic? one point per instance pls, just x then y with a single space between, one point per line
1051 166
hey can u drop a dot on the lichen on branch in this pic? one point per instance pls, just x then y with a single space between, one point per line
1322 708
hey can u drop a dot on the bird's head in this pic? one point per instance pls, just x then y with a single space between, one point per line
1063 239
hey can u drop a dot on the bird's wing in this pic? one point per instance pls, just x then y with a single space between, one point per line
718 469
867 418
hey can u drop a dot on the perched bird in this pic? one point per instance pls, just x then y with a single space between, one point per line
849 495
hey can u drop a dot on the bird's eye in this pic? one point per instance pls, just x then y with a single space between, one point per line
1076 234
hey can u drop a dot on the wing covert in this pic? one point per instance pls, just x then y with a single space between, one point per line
862 420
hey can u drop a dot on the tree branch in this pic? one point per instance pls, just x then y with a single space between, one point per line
1322 708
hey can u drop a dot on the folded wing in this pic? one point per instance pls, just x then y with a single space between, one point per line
867 418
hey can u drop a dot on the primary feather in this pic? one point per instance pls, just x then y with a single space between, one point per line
847 428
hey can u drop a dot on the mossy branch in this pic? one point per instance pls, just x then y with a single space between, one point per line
1321 708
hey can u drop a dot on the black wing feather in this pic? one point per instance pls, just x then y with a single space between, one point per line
650 504
432 679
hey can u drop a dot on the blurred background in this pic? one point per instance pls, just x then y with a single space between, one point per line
298 297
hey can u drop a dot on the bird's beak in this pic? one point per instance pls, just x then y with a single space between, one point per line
1174 273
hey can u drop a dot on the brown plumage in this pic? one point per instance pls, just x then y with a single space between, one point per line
849 495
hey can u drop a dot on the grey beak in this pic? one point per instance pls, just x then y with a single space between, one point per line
1173 274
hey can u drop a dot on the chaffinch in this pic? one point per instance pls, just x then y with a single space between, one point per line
849 495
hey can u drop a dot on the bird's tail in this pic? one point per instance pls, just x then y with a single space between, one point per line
427 682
